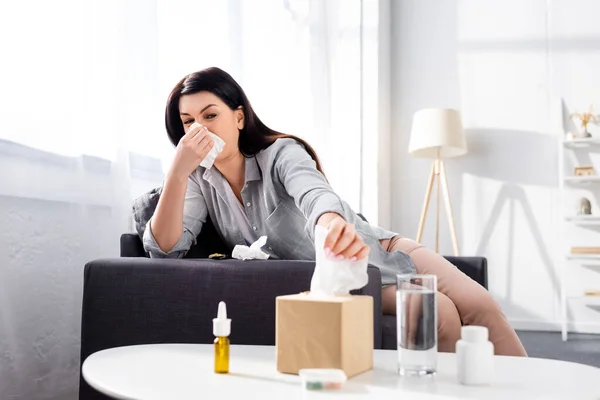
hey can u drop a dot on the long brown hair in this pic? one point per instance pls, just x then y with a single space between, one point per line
254 137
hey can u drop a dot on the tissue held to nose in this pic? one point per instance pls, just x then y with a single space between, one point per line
210 158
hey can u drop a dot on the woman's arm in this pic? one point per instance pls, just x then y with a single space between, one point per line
167 222
181 209
313 195
298 173
177 220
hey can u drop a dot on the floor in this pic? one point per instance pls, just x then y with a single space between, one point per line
581 348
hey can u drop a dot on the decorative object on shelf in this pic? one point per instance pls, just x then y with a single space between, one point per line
438 134
592 293
584 119
584 171
584 207
585 250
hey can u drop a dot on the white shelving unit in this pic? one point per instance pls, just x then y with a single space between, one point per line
589 300
583 257
584 219
582 180
581 142
568 182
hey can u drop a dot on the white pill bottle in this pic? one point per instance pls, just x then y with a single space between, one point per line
474 356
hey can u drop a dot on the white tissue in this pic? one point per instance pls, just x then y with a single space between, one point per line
335 277
210 158
251 253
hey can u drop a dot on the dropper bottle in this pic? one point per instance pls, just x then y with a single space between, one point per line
221 330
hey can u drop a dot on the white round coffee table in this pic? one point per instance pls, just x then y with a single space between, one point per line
185 371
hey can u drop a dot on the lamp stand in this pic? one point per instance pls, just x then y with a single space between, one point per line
438 172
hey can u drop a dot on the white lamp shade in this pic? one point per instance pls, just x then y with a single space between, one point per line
437 132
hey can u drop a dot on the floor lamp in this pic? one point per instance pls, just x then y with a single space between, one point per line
437 134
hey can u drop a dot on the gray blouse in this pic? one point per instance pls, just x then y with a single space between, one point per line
239 215
284 196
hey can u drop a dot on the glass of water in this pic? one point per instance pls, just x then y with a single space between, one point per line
416 316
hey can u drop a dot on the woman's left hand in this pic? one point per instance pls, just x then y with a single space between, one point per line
342 241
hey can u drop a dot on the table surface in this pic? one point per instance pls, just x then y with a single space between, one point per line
185 371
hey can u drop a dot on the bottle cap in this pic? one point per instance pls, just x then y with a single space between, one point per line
474 334
221 324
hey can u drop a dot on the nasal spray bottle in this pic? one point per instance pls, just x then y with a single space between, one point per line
221 330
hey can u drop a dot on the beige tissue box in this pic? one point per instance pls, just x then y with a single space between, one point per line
334 332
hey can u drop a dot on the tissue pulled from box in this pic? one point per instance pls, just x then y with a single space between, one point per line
210 158
253 252
335 277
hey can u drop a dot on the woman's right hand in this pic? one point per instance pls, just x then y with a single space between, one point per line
191 150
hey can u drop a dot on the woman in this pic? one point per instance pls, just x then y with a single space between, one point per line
267 183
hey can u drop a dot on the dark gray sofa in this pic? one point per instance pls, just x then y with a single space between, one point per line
138 300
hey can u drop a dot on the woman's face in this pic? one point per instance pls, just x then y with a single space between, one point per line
209 110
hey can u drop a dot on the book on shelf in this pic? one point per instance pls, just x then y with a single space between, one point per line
585 250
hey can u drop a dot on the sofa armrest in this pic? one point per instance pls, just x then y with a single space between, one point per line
129 301
131 246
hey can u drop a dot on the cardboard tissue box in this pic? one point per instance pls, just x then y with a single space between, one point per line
326 327
324 333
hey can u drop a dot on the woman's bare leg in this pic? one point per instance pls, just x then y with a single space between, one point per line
473 303
448 318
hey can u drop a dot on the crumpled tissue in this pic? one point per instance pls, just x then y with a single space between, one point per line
210 158
335 277
253 252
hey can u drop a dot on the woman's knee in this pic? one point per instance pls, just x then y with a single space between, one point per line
448 317
484 307
449 324
388 300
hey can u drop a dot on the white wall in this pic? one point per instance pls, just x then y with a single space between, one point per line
507 66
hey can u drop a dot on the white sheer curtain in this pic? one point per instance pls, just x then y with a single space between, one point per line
82 91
